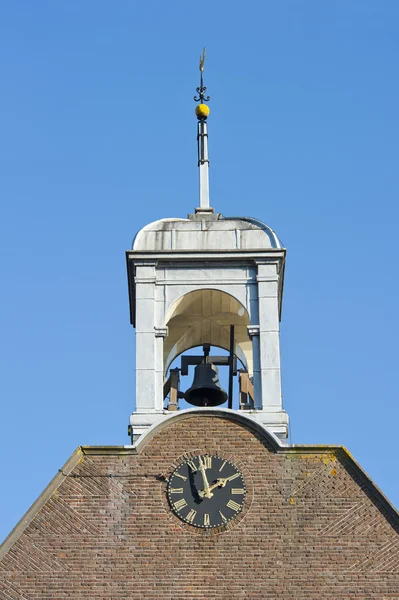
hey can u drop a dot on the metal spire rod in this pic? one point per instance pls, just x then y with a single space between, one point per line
202 112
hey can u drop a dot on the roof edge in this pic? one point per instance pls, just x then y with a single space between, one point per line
40 501
344 452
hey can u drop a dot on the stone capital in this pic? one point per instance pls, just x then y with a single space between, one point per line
253 330
161 332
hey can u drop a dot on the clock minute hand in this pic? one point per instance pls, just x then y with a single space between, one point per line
206 492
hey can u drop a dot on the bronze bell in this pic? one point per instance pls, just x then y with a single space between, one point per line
205 390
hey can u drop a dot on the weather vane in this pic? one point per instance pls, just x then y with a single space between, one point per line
202 89
202 112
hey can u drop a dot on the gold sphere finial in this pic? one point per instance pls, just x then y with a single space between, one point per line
202 111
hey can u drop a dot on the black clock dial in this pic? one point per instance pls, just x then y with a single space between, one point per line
206 491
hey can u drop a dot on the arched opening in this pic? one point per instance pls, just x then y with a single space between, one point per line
186 379
204 317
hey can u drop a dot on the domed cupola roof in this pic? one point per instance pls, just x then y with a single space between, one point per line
217 233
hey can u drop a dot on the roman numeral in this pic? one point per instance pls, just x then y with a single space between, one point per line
191 515
180 504
179 490
222 465
222 515
181 476
237 490
233 505
207 520
208 462
192 465
233 476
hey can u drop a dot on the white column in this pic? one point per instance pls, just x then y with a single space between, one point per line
147 398
160 334
269 337
253 333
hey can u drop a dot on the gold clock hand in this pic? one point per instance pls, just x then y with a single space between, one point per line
234 476
223 480
219 483
206 492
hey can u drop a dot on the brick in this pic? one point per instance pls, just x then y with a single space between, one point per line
312 527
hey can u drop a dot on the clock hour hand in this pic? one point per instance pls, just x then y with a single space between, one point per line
202 493
219 483
224 480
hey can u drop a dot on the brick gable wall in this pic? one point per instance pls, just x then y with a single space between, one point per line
312 527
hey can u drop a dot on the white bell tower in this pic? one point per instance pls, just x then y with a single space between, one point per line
189 281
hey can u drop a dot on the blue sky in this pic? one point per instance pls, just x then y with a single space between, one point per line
98 138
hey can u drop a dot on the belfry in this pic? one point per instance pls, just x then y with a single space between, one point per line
195 281
208 500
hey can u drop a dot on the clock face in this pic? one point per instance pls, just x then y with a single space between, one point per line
206 491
